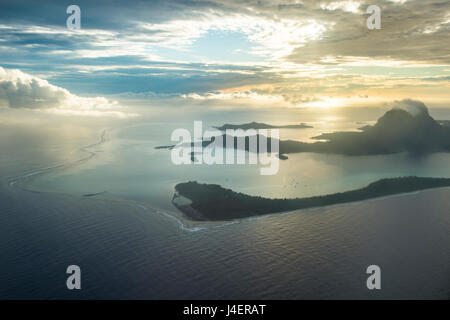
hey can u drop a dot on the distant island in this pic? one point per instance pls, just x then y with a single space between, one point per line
396 131
258 125
165 147
211 202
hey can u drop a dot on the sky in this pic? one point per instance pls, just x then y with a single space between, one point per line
221 54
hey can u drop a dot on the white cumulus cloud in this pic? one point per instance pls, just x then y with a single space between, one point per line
20 90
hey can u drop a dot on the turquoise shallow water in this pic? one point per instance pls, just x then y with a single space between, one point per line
127 250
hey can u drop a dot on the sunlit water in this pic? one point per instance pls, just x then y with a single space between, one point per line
129 166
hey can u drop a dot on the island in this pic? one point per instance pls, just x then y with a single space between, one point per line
258 125
397 131
170 147
211 202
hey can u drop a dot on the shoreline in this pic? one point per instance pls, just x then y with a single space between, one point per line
21 183
185 223
331 206
22 180
178 215
213 203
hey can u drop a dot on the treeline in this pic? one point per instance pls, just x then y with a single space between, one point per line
217 203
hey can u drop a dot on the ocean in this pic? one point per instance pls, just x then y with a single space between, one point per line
131 243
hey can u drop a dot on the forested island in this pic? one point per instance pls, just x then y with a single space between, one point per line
396 131
211 202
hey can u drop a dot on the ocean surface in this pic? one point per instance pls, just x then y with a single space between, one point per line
100 199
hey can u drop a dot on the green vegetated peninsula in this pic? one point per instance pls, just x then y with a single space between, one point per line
211 202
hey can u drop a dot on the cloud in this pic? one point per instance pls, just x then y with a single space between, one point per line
298 31
307 52
349 6
411 32
19 90
235 95
414 107
271 37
